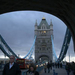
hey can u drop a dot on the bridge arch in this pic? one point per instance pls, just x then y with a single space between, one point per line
42 58
63 9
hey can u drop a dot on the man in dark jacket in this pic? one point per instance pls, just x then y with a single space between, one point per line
48 67
11 68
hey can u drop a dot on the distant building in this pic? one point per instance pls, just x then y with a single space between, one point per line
43 44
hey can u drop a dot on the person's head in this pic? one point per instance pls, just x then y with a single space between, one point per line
12 58
32 67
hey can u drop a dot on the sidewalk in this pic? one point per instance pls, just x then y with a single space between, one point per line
59 71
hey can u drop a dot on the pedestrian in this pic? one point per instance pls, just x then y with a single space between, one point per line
58 64
32 70
51 65
45 67
48 67
73 67
68 69
11 68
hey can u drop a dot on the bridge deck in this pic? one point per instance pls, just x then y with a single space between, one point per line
59 71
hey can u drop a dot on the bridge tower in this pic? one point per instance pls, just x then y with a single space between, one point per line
43 44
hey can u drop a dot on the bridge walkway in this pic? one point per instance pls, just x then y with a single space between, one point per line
58 71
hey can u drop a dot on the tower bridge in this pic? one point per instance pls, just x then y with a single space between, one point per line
60 8
63 9
43 44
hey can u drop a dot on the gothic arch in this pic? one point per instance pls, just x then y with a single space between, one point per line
46 57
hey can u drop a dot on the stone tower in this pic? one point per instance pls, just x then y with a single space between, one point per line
43 44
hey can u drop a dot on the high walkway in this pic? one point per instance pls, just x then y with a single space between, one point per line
59 71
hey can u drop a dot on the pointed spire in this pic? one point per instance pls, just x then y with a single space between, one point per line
51 22
36 23
51 25
43 18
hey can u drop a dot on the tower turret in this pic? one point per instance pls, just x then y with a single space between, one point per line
36 25
51 25
51 28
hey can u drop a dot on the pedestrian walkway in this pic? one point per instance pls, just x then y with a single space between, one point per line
59 71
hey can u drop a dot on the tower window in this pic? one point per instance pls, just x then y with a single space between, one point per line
43 32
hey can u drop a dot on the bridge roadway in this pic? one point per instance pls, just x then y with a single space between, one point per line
60 71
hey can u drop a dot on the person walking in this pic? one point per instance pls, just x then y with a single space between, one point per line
68 69
32 70
11 68
45 67
73 67
48 67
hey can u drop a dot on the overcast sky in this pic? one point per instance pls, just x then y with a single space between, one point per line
17 29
